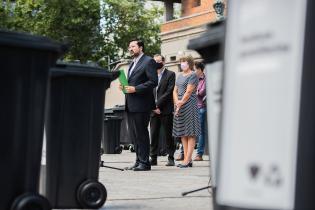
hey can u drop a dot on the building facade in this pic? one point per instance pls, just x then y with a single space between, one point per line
176 33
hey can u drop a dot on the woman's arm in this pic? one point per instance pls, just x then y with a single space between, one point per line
175 94
190 89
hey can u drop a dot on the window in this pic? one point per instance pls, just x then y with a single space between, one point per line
173 58
196 3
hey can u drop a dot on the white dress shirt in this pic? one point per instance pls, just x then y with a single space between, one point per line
135 61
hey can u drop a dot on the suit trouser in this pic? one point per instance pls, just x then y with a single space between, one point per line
138 130
166 121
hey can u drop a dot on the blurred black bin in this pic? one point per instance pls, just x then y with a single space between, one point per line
25 61
74 132
111 138
125 141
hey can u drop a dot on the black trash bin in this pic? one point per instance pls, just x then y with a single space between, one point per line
25 61
74 131
107 112
111 138
125 141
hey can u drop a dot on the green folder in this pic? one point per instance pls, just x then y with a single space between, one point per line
123 79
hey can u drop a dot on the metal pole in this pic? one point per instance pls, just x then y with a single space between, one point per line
108 62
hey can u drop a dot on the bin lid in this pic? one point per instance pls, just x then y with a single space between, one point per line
112 117
25 40
209 44
119 108
63 69
108 111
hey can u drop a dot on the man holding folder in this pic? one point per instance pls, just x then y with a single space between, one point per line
142 78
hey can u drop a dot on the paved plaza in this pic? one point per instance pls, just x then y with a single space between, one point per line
160 188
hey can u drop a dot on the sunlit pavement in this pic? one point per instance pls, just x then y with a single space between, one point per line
160 188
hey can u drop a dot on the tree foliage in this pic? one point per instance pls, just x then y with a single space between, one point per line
93 28
123 20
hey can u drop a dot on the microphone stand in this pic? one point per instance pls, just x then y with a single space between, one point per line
199 189
203 188
102 165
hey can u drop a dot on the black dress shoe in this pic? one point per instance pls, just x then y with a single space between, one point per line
186 165
142 167
170 162
132 167
153 162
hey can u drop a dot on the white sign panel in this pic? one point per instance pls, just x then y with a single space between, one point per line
262 78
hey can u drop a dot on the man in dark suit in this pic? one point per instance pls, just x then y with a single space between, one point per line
162 115
142 78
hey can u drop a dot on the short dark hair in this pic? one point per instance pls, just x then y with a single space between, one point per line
140 43
199 65
163 58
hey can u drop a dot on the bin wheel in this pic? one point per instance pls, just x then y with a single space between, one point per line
118 150
91 194
30 201
131 148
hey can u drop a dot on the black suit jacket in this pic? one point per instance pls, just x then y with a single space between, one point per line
144 79
165 92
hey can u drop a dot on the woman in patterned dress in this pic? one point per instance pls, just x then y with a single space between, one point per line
186 121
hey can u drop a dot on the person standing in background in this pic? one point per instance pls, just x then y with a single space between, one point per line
186 123
142 78
162 115
202 109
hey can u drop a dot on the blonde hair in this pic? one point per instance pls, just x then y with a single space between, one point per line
190 61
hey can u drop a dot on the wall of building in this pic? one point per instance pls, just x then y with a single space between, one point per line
191 15
175 34
189 21
190 7
174 44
